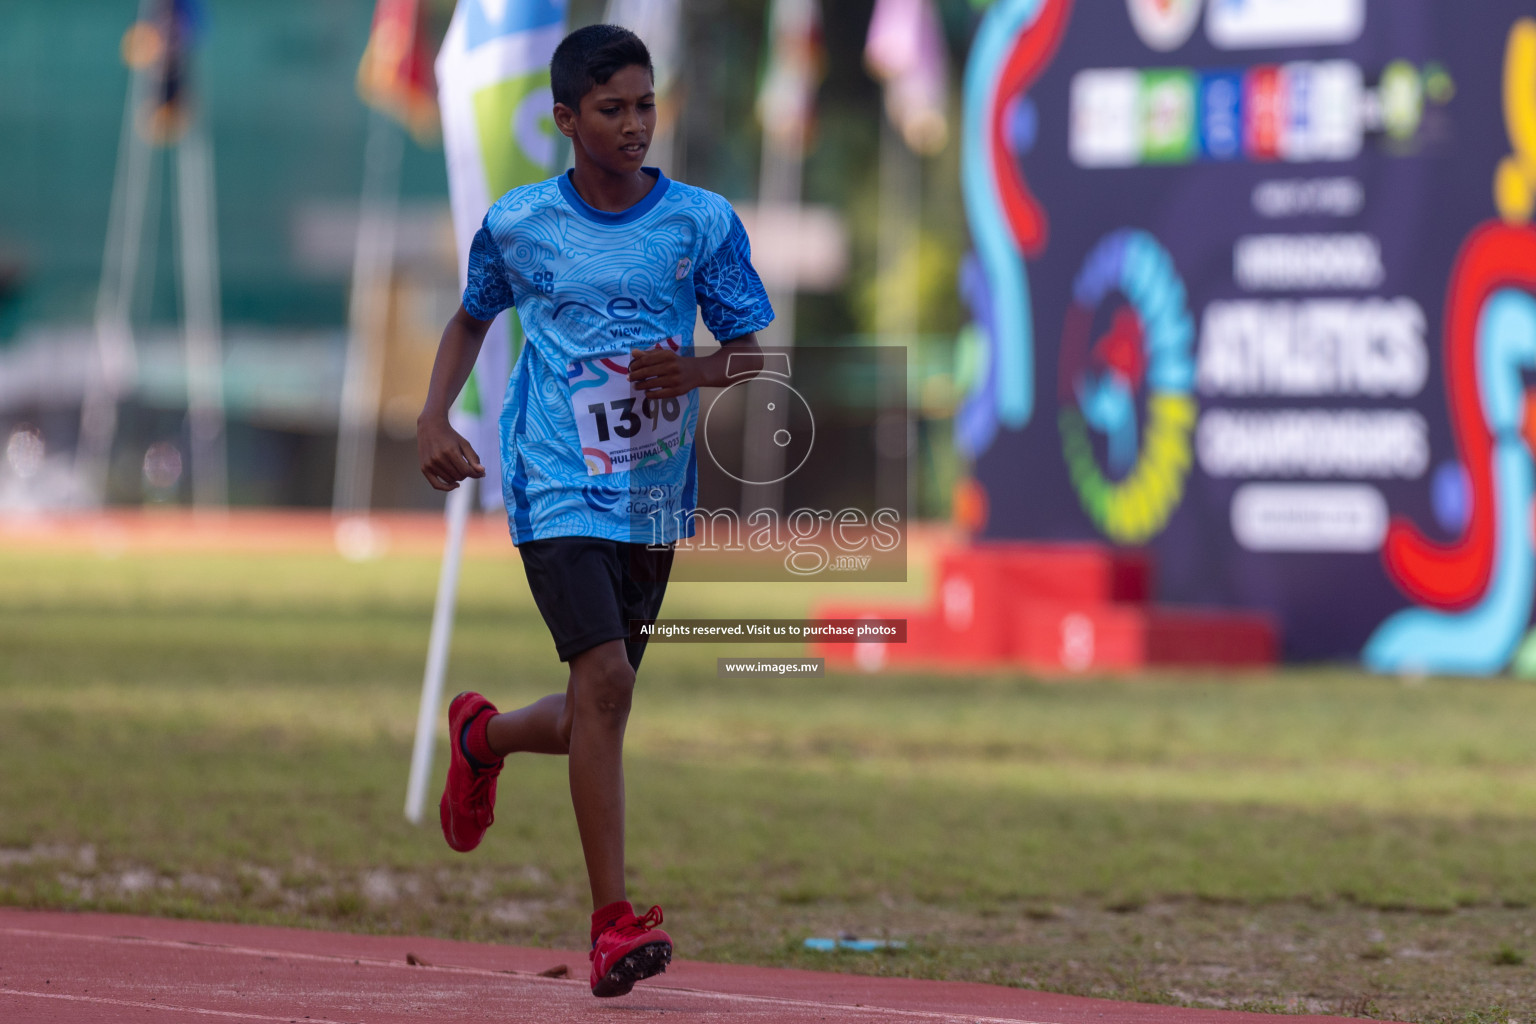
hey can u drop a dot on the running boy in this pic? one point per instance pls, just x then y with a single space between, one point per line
606 265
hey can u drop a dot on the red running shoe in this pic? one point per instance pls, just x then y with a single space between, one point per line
630 949
470 794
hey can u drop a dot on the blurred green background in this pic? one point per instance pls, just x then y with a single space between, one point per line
275 81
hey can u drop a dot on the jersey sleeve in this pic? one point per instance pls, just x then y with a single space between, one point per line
730 294
488 291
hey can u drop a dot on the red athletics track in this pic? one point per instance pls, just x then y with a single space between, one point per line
58 968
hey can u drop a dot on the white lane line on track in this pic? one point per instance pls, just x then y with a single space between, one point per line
729 997
162 1007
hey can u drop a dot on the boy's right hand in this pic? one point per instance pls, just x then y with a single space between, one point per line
446 457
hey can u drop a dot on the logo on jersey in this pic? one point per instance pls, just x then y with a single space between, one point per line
683 266
618 315
1164 24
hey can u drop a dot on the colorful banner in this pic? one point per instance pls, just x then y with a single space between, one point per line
1254 285
498 133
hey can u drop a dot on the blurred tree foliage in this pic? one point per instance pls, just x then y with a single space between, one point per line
721 150
276 80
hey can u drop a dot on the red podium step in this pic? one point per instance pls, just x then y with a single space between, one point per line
1055 609
980 587
1081 638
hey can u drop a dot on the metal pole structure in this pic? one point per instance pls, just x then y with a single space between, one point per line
368 315
199 249
114 295
459 504
779 187
897 222
899 237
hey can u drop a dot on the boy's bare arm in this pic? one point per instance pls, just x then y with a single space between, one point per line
446 457
661 373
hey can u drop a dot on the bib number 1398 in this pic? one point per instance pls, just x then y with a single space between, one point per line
620 428
628 423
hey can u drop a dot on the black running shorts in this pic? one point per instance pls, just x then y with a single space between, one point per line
588 589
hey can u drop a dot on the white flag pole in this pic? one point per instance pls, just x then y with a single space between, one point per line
459 503
131 187
201 316
779 191
785 103
368 317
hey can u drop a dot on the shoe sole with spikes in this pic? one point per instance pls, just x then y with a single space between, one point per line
648 961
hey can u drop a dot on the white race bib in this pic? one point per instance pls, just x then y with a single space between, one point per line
620 428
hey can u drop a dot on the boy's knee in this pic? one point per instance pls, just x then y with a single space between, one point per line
608 690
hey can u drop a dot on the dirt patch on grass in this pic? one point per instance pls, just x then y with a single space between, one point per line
1469 965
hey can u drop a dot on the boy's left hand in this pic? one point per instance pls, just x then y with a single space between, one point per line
662 373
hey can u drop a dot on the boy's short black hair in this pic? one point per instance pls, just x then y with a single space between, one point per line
589 57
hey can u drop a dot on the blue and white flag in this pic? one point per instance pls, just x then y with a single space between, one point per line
498 133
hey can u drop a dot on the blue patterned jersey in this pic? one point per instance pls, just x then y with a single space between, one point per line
582 453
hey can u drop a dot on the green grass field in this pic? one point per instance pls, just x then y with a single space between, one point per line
229 738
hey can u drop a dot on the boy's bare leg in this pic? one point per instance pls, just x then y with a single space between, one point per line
602 684
587 722
543 727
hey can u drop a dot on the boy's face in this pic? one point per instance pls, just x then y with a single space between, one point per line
612 126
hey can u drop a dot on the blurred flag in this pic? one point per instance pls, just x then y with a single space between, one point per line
659 24
796 64
161 45
395 74
498 133
906 51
